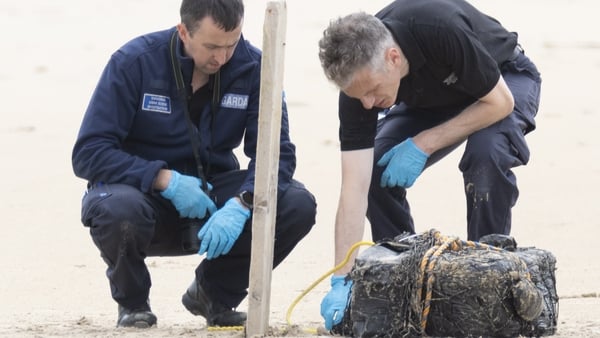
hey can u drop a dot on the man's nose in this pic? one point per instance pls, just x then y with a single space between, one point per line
367 101
221 56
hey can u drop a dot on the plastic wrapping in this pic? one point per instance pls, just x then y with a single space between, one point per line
432 285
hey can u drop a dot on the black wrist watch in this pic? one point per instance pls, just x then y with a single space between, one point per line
247 199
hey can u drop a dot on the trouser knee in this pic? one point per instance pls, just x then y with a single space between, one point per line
118 218
485 168
296 216
490 187
299 205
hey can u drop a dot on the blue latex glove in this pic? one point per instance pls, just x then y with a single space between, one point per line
187 196
405 162
222 229
335 302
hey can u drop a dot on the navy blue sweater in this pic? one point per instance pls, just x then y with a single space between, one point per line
135 123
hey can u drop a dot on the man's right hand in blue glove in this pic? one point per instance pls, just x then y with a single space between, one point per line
186 194
335 302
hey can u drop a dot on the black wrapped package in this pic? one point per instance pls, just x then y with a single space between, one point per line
432 285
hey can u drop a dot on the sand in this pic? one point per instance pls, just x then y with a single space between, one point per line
52 277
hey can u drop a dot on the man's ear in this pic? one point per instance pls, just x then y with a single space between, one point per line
393 57
183 32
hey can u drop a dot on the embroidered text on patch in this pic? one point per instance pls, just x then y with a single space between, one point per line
235 101
157 103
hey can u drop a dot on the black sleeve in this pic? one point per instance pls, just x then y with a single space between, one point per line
358 126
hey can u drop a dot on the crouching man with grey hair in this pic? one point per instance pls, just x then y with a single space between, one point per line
416 80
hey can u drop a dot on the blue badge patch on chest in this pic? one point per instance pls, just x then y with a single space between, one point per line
157 103
235 101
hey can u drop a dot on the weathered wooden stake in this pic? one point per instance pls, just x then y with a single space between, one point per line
267 167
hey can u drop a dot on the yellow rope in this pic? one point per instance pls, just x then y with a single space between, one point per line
315 283
295 302
225 328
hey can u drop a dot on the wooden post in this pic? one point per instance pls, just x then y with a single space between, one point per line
267 167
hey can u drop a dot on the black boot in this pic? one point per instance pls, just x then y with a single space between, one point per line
216 314
140 317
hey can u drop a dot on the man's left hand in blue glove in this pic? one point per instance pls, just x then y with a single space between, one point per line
405 162
222 229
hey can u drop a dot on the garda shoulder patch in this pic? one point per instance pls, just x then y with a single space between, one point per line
235 101
157 103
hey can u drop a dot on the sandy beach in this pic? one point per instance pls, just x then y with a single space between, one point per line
52 281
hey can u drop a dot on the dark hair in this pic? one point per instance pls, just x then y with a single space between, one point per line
227 14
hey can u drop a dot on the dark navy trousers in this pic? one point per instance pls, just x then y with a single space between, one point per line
128 225
490 185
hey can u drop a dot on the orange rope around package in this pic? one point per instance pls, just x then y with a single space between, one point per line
442 243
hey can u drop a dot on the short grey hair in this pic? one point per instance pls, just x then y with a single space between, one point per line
351 43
